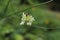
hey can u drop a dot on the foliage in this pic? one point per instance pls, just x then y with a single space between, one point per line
44 19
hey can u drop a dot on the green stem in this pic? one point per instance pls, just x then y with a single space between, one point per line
32 7
6 8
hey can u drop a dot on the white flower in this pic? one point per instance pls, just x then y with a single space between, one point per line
27 19
29 23
22 23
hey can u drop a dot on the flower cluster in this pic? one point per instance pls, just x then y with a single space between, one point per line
27 19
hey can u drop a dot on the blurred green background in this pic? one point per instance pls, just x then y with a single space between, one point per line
10 18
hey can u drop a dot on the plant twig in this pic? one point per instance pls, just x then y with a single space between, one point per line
32 7
6 8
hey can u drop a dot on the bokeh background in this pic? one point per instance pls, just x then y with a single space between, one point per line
45 27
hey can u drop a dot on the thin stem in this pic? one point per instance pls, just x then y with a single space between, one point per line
6 8
32 7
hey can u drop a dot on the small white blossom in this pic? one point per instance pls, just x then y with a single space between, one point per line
22 23
29 23
27 19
